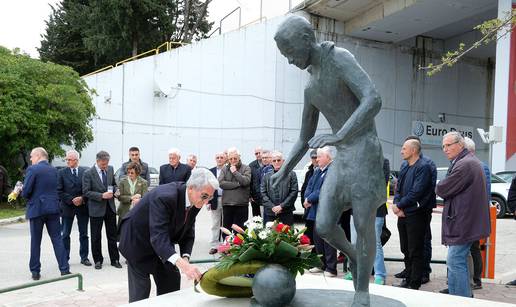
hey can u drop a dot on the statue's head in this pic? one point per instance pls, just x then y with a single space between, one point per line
294 38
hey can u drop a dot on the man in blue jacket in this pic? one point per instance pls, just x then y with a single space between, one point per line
412 199
329 259
40 190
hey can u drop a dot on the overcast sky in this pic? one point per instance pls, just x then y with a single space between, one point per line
23 21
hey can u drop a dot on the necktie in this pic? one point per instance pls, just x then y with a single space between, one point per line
104 178
74 171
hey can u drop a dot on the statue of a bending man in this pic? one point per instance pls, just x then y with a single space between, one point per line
343 92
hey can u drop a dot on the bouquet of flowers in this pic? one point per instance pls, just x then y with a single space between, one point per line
271 243
244 252
16 191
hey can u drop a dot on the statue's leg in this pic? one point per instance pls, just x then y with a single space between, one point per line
331 206
364 213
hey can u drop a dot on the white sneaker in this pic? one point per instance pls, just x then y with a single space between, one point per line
315 270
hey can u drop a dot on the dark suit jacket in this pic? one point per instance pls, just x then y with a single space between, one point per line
255 181
313 190
92 188
169 174
40 189
214 202
69 187
150 230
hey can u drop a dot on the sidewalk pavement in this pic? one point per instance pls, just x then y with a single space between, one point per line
108 287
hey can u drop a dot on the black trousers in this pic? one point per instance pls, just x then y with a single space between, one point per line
166 277
329 253
477 262
286 218
427 269
234 215
255 206
412 231
109 219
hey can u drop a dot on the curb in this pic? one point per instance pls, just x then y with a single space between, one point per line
12 220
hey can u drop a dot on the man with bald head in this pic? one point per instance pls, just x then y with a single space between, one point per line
40 190
412 199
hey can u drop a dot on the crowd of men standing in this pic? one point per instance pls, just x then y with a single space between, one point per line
56 198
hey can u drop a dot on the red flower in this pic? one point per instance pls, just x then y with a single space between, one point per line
237 240
304 239
282 228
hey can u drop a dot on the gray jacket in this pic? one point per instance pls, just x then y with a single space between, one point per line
235 186
284 195
92 189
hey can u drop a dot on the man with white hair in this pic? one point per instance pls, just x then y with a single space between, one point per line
69 187
40 190
235 181
163 218
465 217
475 247
174 171
191 160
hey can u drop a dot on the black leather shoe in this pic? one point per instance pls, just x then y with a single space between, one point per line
476 286
63 273
36 276
116 264
425 280
86 262
403 284
444 291
402 274
213 251
98 265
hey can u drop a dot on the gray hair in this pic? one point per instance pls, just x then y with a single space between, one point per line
457 137
174 151
327 150
103 155
74 153
41 152
192 156
277 154
202 177
233 150
414 144
469 144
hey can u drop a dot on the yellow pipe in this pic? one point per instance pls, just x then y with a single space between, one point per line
159 47
99 70
135 57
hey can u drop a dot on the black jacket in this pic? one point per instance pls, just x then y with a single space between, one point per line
214 201
69 187
169 174
149 231
414 191
255 181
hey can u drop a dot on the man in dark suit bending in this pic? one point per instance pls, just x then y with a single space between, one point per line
163 218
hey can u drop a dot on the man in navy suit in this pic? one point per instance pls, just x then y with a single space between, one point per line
174 171
69 187
215 205
40 190
163 218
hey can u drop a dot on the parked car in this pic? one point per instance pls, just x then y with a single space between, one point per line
508 176
154 177
499 192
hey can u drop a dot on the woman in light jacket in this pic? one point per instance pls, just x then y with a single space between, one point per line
131 190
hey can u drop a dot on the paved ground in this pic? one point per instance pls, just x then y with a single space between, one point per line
108 287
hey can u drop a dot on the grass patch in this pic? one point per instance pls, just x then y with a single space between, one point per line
7 211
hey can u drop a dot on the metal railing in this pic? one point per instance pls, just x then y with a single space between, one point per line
46 281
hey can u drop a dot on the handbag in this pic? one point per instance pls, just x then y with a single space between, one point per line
385 235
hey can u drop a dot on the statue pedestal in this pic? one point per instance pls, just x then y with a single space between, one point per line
316 290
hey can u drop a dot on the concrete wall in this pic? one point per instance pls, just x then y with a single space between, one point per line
237 90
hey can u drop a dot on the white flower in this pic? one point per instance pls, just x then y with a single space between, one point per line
269 224
263 235
257 219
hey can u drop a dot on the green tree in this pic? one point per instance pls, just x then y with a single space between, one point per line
103 32
42 104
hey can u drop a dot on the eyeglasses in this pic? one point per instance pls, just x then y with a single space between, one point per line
277 160
206 196
448 145
314 157
257 153
70 159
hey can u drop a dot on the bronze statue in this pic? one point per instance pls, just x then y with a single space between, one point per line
343 92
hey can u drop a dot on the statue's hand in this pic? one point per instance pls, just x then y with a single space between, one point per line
322 140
